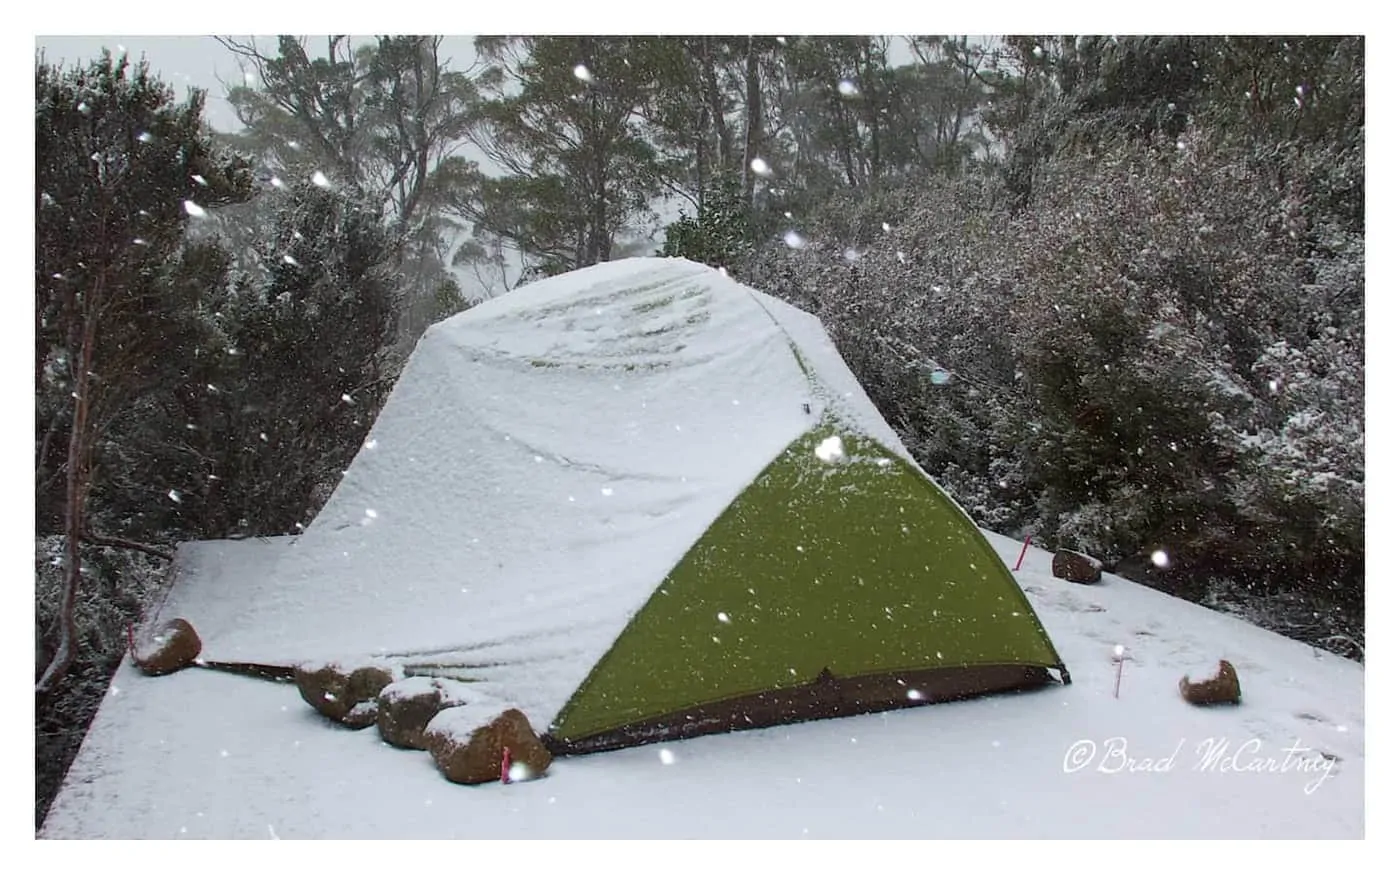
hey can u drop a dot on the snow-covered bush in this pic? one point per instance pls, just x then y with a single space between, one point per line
1163 348
118 585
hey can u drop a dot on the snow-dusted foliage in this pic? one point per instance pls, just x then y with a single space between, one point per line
1164 346
720 234
119 585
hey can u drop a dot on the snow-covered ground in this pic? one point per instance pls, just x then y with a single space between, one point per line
204 755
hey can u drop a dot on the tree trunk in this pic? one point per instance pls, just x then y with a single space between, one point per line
702 163
753 134
847 158
714 99
598 236
75 518
871 100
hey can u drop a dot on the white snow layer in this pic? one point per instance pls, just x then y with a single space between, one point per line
543 462
1061 762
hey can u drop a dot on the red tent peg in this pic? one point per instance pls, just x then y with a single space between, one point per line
1024 546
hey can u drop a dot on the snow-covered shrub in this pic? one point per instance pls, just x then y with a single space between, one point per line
1163 348
117 586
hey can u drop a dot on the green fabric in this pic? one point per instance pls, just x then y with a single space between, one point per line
859 566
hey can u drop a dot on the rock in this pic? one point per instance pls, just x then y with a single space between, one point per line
336 694
173 646
363 715
1076 567
467 743
407 706
323 688
366 683
1223 689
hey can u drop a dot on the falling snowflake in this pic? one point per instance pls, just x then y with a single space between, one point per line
667 758
900 256
371 444
287 259
347 399
174 496
851 256
1159 558
1118 650
885 226
722 617
1037 51
847 88
319 179
581 74
199 179
607 490
761 167
276 183
914 696
371 513
195 210
794 240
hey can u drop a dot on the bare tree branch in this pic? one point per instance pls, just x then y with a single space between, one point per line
125 544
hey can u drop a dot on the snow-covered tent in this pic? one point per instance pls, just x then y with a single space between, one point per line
643 500
621 488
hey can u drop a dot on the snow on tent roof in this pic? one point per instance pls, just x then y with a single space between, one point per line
544 460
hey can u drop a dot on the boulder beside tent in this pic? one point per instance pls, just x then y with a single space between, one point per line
644 502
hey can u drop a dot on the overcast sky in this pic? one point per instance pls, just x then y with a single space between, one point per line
195 61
